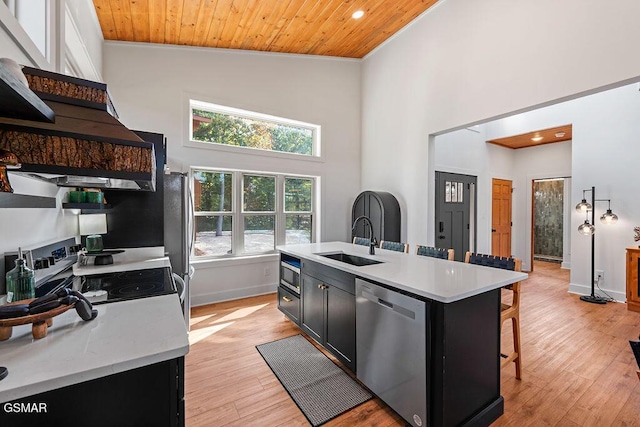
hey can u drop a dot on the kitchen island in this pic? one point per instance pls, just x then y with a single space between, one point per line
134 346
422 333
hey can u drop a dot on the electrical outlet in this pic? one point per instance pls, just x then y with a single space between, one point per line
267 271
599 275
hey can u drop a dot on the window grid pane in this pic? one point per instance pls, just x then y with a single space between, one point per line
298 228
213 235
259 193
298 195
259 233
212 191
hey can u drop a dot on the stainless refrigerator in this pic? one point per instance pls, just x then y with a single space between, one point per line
178 233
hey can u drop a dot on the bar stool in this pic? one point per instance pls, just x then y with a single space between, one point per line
508 311
394 246
435 252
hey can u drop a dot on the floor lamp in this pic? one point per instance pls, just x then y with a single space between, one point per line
588 229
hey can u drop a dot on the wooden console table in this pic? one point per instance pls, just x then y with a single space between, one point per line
633 285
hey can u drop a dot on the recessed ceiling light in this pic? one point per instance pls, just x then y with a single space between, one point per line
358 14
537 138
559 134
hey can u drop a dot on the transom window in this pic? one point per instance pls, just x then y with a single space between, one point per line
217 124
242 212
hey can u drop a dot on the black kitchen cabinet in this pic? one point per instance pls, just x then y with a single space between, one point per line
152 395
329 310
383 210
289 304
313 307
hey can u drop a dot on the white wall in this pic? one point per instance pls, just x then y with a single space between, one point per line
465 62
466 152
545 161
151 86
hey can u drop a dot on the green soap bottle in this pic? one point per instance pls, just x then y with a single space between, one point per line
21 283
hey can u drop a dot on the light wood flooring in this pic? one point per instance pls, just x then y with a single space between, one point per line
578 369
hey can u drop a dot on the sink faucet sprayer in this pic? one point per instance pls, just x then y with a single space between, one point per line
373 242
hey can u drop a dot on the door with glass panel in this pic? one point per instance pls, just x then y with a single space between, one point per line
455 215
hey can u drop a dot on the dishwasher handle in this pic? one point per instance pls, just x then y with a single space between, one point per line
395 307
385 303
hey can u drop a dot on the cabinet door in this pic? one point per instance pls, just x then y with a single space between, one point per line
341 325
313 307
633 285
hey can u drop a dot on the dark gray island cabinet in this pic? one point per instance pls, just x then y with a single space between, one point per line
422 333
329 309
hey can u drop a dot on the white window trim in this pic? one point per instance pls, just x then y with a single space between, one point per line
316 156
238 213
9 23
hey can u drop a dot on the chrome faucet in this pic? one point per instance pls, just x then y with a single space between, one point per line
373 242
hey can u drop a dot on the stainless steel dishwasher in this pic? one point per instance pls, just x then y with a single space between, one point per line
391 349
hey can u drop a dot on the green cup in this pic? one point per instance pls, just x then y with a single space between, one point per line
76 196
94 197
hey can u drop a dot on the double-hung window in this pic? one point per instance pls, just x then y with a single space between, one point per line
246 213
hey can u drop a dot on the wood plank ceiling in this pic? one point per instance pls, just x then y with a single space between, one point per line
313 27
539 137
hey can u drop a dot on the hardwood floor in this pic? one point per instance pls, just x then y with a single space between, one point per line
577 366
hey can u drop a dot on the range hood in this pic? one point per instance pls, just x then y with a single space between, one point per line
73 138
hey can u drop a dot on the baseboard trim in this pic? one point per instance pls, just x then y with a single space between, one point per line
575 288
221 296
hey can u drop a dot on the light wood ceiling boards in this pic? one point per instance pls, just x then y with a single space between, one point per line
323 27
549 136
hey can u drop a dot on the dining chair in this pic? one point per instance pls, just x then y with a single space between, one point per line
507 311
394 246
432 252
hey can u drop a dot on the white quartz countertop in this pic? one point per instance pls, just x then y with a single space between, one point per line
436 279
125 335
130 259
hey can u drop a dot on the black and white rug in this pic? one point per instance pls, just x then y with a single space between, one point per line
321 389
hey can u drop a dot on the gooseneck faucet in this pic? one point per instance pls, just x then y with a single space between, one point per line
372 242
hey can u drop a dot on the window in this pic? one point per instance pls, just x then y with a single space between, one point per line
216 124
33 17
245 213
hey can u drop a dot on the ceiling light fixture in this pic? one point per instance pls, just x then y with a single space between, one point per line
537 138
358 14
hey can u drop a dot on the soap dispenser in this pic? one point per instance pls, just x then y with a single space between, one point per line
20 281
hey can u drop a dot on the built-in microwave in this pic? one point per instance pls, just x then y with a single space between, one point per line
290 275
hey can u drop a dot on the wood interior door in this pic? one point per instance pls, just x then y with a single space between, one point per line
501 217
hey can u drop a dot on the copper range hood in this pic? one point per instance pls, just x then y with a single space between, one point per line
64 130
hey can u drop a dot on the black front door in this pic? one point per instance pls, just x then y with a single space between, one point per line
455 213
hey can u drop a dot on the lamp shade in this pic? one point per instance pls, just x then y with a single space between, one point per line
609 217
92 224
583 206
586 228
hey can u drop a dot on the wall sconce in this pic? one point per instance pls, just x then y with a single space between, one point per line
589 229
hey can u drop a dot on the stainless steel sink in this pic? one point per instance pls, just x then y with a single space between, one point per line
358 261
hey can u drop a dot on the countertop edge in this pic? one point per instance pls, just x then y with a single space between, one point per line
68 380
386 257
